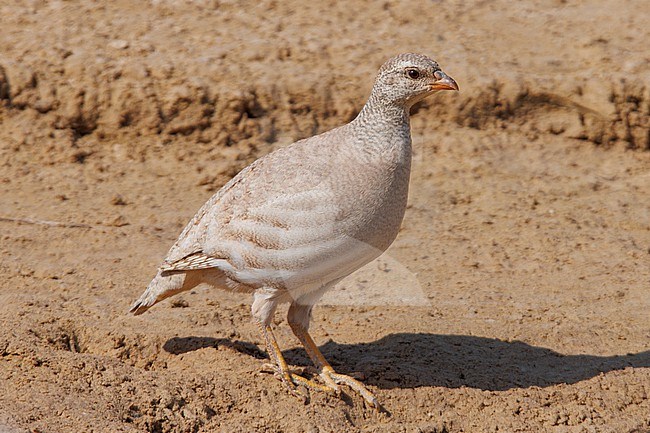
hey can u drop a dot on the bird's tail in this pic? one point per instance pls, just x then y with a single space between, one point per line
162 287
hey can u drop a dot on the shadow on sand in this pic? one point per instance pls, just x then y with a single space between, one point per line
412 360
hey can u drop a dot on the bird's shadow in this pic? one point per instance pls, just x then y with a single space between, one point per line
409 360
180 345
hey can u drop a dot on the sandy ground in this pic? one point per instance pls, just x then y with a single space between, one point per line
524 252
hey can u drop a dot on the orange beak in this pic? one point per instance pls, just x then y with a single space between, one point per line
444 82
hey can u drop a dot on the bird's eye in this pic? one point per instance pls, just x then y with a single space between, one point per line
413 73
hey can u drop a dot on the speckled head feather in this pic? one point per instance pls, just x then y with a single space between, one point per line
406 79
408 59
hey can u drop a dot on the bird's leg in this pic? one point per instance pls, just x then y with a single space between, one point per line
326 372
281 367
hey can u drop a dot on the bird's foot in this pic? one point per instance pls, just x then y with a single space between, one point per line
333 379
293 381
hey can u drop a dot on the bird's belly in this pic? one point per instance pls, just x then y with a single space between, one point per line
307 267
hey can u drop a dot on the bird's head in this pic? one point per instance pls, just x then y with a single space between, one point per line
408 78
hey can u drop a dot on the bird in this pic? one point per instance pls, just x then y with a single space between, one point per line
296 221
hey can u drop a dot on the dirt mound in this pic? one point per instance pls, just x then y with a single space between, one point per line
150 79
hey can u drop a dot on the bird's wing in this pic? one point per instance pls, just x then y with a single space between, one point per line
258 204
192 262
291 240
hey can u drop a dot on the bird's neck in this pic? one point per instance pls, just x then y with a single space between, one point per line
386 132
383 117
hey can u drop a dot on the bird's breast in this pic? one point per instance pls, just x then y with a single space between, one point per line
374 210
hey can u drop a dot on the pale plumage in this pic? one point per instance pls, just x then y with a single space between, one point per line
292 224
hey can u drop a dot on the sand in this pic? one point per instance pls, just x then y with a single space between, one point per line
515 299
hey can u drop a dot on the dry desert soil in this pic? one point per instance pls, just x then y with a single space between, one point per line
516 298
